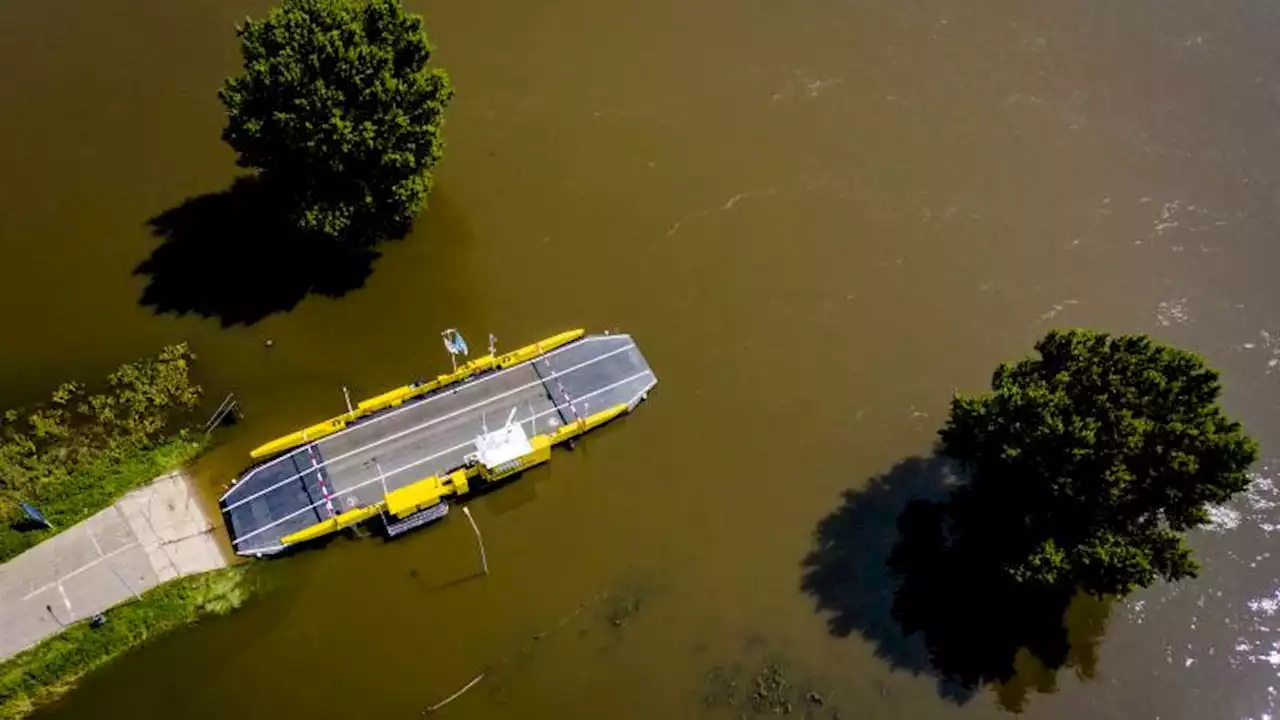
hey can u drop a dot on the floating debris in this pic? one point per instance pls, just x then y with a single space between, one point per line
721 686
770 690
622 610
1172 312
625 604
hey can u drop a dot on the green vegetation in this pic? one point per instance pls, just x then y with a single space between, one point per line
1082 469
1088 463
773 689
49 670
337 108
76 454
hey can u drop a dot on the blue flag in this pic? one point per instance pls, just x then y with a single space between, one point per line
33 514
454 343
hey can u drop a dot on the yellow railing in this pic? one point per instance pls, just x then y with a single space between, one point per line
424 493
395 397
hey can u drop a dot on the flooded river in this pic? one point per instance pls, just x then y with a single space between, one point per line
818 218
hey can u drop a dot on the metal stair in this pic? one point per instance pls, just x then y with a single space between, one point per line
416 520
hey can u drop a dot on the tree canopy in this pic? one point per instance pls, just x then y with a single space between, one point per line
337 105
1088 462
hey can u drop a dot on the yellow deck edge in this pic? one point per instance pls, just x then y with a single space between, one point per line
391 398
428 491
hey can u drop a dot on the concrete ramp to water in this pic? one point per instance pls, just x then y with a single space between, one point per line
150 536
432 435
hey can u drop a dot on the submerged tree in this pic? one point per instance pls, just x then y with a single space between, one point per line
1083 467
1088 463
336 106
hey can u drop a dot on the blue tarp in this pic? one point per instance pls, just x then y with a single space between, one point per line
33 514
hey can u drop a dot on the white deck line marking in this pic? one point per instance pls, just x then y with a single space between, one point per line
393 413
66 600
382 416
79 570
427 424
414 429
455 448
415 463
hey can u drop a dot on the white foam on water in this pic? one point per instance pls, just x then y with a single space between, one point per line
1267 606
1172 312
1223 518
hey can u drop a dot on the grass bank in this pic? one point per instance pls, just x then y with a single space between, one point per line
46 672
96 486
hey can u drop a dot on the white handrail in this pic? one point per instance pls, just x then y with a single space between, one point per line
392 413
409 431
429 458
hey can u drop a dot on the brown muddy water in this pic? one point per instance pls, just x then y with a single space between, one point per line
817 217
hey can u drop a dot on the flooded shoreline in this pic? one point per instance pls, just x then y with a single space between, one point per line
819 220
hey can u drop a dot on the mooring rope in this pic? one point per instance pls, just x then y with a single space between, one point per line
560 623
454 696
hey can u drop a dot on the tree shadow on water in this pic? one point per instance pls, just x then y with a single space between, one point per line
885 566
847 572
235 256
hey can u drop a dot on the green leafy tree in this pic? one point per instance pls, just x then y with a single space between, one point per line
1089 462
337 107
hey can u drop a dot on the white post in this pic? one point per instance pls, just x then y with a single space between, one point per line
484 560
347 395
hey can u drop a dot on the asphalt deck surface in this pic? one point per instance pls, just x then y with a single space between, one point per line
357 466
